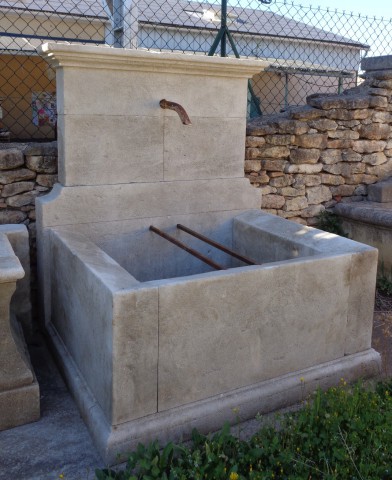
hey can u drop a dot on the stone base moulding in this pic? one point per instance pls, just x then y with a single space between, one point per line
115 443
19 390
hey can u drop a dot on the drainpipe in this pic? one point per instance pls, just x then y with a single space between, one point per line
125 23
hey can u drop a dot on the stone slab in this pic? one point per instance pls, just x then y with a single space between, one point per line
210 148
115 444
141 200
209 328
381 191
373 213
383 62
133 95
109 325
112 149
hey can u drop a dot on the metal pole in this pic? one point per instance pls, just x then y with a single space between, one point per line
223 27
216 245
193 252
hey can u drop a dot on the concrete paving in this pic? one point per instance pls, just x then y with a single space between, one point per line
59 443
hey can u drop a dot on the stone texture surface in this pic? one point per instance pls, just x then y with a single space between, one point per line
342 143
19 392
127 387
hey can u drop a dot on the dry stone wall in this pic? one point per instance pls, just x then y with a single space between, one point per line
313 157
26 172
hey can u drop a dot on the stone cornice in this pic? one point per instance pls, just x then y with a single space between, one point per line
94 57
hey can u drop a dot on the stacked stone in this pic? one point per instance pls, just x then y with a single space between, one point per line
26 172
312 157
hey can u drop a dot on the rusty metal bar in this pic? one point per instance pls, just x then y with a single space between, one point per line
193 252
217 245
176 107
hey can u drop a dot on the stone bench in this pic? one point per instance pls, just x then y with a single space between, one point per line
370 222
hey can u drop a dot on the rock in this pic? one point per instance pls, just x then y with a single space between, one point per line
339 143
271 211
377 158
292 127
289 214
254 142
250 166
11 158
306 113
358 178
267 190
16 188
344 134
323 124
258 127
41 149
331 156
275 174
11 216
252 153
23 199
351 156
385 84
378 102
16 175
377 131
306 180
272 201
368 146
304 155
313 140
274 165
348 169
343 190
328 179
274 151
381 171
303 168
336 114
279 139
41 164
318 194
32 215
334 169
312 211
296 203
381 117
283 181
349 123
328 101
382 92
291 192
260 178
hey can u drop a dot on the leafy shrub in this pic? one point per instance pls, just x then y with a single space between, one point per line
329 222
344 433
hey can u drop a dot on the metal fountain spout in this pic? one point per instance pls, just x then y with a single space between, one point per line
166 104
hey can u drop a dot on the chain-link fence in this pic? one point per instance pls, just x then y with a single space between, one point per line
309 49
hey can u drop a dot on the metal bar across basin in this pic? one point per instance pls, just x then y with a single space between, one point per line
217 245
193 252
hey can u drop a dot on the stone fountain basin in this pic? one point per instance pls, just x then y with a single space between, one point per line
160 345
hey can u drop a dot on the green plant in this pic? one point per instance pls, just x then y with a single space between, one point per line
329 222
384 281
344 433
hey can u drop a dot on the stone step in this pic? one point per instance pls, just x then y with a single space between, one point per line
381 192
